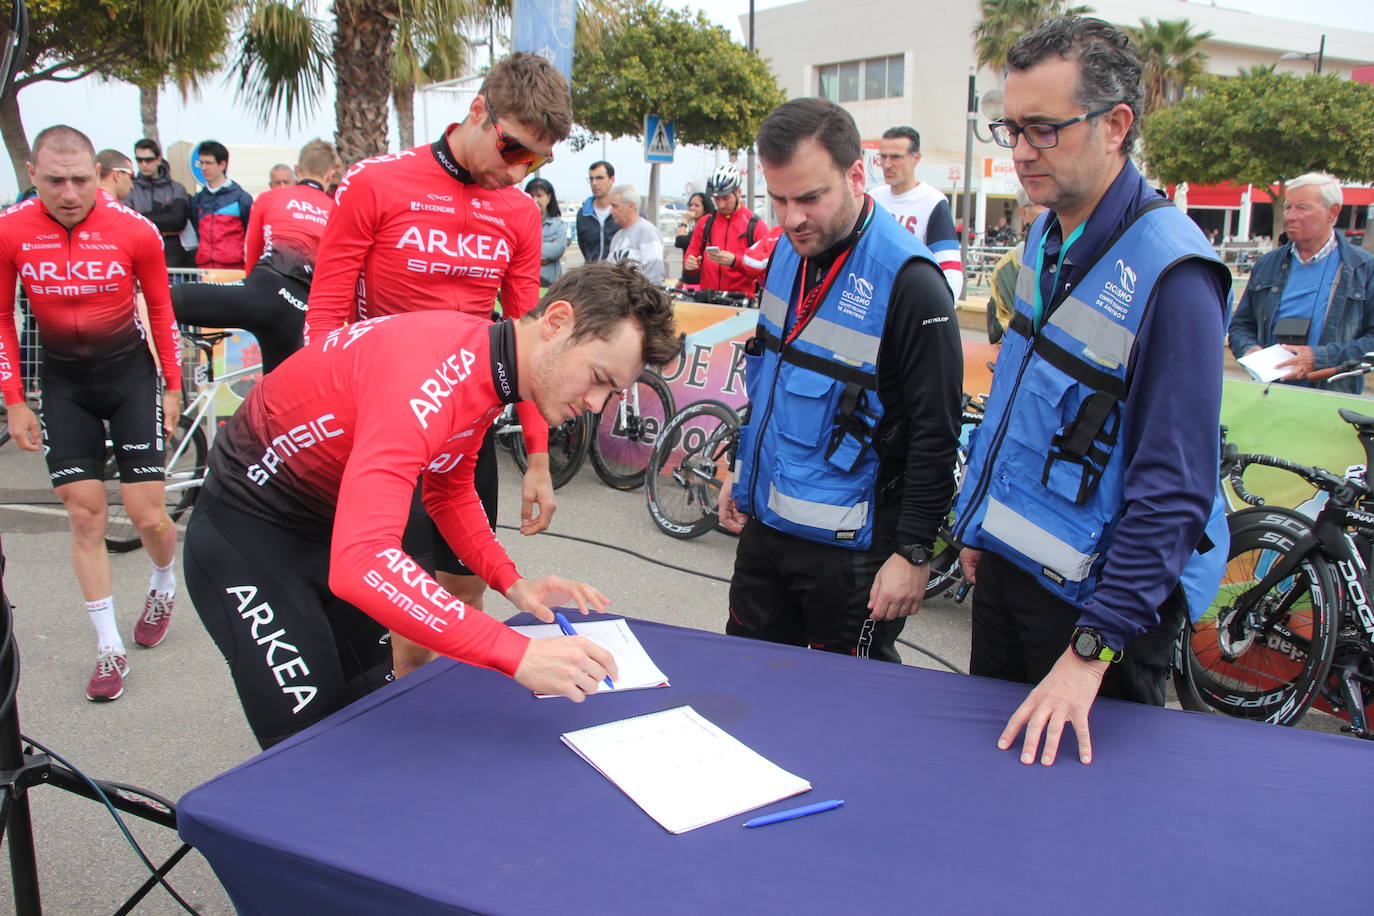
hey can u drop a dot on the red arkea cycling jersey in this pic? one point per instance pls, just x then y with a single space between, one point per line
80 285
285 228
338 434
412 232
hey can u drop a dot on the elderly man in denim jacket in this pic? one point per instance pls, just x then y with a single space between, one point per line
1319 284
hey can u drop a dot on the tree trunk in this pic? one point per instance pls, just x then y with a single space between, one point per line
363 39
147 111
403 99
16 143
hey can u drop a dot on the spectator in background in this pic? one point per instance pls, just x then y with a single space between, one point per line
595 224
638 242
1314 295
281 176
722 237
1002 295
919 207
698 205
115 172
555 231
219 211
163 201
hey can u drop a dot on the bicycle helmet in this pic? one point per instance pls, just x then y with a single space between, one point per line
722 181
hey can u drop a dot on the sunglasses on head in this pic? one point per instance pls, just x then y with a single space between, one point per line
511 150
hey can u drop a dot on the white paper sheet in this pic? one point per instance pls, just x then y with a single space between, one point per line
636 669
682 769
1261 364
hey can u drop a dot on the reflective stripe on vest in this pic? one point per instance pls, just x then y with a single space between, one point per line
807 463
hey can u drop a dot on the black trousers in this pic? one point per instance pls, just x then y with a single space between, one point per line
1020 630
789 590
266 304
296 653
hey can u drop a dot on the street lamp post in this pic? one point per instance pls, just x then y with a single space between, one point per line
1320 54
993 97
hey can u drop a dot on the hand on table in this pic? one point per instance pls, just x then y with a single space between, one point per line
567 666
1063 697
536 596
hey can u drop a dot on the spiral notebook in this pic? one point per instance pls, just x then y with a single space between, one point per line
682 769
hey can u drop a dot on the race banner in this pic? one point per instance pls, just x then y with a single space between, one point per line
547 28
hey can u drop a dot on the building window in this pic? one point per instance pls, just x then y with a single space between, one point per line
851 81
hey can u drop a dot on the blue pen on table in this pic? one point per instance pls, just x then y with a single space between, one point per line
792 813
568 630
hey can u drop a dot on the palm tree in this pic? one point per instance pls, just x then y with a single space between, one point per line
1004 22
1172 56
428 49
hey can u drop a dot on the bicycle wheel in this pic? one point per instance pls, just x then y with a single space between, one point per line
945 573
1264 659
683 478
568 444
626 430
185 458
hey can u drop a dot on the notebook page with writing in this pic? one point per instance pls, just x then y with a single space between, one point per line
635 669
682 769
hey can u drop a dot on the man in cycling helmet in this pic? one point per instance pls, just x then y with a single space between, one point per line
720 239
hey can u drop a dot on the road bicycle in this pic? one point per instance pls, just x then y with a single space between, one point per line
188 448
686 467
568 444
1292 624
624 432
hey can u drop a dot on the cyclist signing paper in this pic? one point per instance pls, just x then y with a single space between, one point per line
442 227
78 254
310 489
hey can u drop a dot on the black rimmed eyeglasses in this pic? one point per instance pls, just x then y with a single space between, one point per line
1039 136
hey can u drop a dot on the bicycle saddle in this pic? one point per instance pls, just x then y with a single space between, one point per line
1362 422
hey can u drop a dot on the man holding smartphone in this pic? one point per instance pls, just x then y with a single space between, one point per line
721 238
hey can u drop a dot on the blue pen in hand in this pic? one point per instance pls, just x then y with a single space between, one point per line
792 813
568 630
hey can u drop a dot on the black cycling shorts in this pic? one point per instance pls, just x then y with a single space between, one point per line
79 399
266 304
296 652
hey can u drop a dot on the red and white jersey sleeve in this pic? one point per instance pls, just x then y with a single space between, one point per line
80 284
285 228
341 433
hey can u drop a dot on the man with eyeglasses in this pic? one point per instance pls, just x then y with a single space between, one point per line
596 224
1090 513
116 173
163 201
442 226
918 207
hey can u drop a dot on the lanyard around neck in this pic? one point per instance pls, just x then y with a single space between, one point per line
1058 269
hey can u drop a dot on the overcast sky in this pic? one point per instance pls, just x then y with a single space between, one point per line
108 111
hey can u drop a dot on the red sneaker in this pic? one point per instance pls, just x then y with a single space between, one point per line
108 681
151 628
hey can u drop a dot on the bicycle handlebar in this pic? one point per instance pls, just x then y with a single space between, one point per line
1235 463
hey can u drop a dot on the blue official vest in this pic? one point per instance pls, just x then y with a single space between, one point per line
807 463
1045 478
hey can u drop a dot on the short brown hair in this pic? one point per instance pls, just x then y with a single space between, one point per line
318 158
110 159
529 89
603 294
63 139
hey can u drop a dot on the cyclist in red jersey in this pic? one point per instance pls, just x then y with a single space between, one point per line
78 253
443 227
284 232
295 558
720 239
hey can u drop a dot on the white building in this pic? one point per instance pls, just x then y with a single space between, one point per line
892 62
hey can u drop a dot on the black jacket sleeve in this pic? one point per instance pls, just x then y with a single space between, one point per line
920 381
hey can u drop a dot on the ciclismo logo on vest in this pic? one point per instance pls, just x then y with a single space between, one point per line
1115 298
856 297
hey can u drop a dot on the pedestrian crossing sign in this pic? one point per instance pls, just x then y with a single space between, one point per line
659 139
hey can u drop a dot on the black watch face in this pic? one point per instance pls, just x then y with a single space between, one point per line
1086 644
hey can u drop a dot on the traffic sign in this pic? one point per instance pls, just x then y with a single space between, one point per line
660 139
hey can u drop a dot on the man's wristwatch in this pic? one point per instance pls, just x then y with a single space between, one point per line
914 554
1088 645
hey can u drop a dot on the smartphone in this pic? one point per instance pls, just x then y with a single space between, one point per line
711 248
